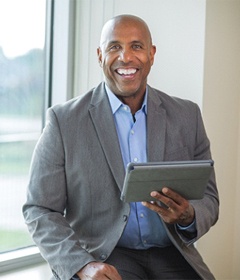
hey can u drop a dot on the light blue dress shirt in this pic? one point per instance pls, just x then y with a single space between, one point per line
144 228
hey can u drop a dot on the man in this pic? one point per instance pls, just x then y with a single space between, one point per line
73 208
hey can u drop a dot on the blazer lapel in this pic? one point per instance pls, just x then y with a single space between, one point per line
101 114
156 127
103 120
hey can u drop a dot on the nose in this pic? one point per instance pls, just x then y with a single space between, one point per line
125 55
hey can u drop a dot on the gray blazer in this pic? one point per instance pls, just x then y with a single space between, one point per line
73 209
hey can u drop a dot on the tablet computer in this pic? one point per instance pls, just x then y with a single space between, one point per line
188 178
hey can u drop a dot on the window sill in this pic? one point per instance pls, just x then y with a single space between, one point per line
20 258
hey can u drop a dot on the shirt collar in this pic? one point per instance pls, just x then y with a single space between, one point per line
115 103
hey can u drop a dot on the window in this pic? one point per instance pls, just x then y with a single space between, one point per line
35 68
22 87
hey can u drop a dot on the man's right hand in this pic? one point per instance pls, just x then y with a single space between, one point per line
98 271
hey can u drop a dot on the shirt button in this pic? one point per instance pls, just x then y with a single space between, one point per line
135 159
125 108
103 257
142 215
132 131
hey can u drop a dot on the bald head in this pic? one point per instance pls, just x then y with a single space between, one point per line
124 21
126 55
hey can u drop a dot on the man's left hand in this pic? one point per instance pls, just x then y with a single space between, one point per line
177 209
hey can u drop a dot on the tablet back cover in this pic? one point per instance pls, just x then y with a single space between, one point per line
188 178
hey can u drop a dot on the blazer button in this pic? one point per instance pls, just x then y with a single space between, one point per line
103 257
125 217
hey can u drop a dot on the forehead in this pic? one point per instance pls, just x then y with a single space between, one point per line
125 30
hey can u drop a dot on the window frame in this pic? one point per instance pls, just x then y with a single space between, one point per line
59 68
20 258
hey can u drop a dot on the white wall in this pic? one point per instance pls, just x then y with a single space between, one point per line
221 111
177 27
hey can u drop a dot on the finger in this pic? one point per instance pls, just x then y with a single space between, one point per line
167 201
163 211
175 202
167 214
176 197
112 273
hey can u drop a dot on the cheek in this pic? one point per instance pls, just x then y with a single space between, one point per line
148 62
145 59
107 64
107 61
110 58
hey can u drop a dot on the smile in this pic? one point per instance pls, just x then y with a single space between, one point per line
125 72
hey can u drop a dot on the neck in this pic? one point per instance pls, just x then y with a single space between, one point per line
134 102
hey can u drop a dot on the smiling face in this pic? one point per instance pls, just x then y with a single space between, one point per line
126 55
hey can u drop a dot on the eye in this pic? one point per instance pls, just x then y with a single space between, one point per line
114 47
137 46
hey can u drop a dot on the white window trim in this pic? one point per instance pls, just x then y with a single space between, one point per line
20 258
63 51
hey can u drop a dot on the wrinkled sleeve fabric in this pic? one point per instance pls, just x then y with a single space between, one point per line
206 209
46 203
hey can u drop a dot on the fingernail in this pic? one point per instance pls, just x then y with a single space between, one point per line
153 193
164 190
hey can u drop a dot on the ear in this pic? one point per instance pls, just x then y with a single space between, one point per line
99 54
152 53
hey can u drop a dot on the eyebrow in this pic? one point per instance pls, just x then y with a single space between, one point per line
113 42
118 42
137 42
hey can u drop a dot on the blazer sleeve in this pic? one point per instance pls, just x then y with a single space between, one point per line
206 209
46 202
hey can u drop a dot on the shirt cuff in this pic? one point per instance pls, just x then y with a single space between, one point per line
188 233
189 228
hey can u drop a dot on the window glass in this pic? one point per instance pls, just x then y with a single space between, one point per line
22 39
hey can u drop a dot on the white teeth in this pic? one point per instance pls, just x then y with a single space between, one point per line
127 71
